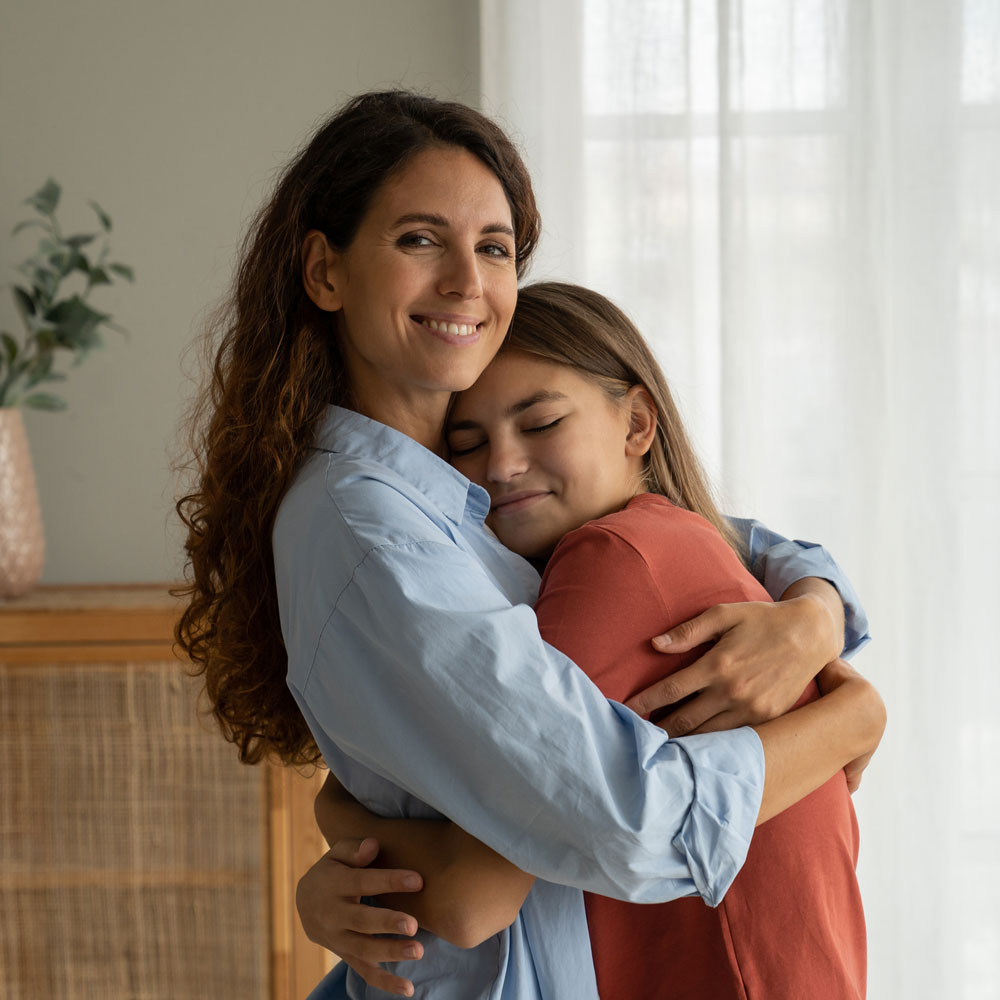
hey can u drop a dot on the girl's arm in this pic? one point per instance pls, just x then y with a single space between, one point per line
470 892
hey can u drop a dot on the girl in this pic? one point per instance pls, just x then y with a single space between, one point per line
573 432
345 599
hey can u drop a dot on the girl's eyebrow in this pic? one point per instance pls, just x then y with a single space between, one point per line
439 220
542 396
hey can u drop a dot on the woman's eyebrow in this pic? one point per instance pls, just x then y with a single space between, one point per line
430 219
542 396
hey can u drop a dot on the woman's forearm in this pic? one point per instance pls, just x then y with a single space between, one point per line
470 892
807 747
829 619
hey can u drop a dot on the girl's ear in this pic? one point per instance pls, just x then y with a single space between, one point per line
641 421
320 267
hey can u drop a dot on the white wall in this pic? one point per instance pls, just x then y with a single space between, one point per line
174 117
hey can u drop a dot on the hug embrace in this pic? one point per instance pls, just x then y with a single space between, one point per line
441 526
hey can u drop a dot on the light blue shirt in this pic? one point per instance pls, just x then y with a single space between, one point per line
415 657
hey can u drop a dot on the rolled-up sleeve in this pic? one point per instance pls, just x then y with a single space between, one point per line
778 562
425 674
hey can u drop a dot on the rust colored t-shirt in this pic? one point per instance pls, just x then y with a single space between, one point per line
791 926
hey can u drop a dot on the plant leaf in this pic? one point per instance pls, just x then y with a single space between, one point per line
80 240
26 224
45 199
24 300
76 324
98 276
124 270
10 347
44 401
102 215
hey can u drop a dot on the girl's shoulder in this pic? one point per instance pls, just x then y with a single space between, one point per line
651 515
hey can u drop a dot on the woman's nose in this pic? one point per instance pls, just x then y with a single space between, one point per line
461 275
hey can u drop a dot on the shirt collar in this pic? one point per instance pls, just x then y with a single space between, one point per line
345 432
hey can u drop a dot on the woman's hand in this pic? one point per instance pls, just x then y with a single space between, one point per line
328 899
764 657
832 676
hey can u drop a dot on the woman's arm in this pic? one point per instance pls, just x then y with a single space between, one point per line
805 748
470 892
763 655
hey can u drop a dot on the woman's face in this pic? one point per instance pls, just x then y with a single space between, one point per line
427 288
549 446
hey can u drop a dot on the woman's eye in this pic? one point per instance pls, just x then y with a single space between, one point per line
414 240
544 427
495 250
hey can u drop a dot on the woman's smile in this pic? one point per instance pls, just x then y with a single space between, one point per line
423 296
450 328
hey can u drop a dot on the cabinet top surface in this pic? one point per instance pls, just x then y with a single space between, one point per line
90 598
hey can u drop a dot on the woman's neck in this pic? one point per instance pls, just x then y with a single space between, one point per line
419 418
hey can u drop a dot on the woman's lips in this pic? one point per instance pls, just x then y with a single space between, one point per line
454 329
514 503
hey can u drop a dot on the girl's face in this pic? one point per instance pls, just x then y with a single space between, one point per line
426 290
552 449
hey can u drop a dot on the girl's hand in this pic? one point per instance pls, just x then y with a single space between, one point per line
328 899
764 657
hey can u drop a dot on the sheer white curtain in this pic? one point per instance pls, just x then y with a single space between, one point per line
799 202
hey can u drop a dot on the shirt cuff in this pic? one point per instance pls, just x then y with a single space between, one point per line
790 561
728 771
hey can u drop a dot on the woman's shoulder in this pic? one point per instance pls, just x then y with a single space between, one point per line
361 503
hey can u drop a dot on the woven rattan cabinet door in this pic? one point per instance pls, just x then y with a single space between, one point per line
137 855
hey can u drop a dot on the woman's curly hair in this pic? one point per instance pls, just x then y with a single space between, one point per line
276 367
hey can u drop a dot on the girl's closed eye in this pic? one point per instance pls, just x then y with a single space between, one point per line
458 448
541 428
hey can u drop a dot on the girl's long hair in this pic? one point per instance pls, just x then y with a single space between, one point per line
574 326
276 367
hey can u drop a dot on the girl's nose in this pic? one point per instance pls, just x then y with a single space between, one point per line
505 461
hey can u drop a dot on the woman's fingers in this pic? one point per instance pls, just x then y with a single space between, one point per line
669 691
705 627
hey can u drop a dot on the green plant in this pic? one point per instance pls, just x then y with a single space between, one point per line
55 320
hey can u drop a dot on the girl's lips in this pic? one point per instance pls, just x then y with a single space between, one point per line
513 503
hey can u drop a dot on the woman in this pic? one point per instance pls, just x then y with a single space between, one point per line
334 550
573 432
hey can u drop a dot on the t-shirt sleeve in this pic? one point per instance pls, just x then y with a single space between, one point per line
606 594
424 673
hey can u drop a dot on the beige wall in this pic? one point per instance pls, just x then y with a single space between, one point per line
174 116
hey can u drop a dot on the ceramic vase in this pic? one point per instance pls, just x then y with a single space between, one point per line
22 543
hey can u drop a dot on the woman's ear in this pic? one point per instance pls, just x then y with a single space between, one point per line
641 421
320 266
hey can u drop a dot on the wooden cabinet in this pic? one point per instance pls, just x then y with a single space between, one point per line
138 858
